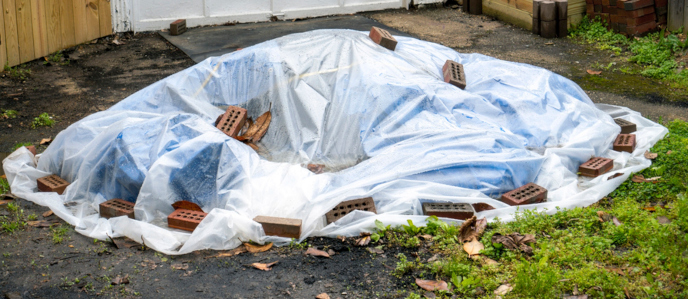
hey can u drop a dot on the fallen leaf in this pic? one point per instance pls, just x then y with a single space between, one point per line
433 258
322 296
264 267
180 266
186 205
253 146
515 241
668 153
363 241
70 246
2 202
316 168
48 213
426 237
650 155
257 248
256 131
604 216
472 228
120 280
616 270
639 178
316 252
490 261
591 72
233 252
503 289
650 209
375 250
46 141
616 221
432 285
549 43
663 220
341 238
40 223
473 247
331 252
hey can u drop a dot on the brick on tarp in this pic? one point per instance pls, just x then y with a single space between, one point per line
638 4
454 74
640 20
52 183
640 29
232 121
383 38
346 207
32 149
624 143
627 127
461 211
185 219
115 208
178 27
282 227
596 167
526 194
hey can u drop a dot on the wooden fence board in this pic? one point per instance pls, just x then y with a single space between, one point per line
3 42
54 32
68 34
675 14
40 28
105 17
92 20
11 36
24 30
80 30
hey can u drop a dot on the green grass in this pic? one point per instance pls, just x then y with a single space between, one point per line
14 221
655 52
58 233
19 73
575 250
9 113
43 120
18 145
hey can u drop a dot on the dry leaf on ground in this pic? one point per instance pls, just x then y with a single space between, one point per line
316 252
40 223
432 285
591 72
316 168
363 241
616 221
120 280
474 247
322 296
233 252
515 241
503 289
180 266
2 202
257 248
186 205
375 250
257 129
264 267
663 220
639 178
46 141
490 261
650 155
48 213
472 228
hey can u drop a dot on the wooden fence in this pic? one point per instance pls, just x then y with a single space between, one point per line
31 29
677 18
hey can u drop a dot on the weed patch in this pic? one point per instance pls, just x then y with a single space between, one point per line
43 120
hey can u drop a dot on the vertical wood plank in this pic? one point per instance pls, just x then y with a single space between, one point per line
3 41
105 17
685 16
92 19
52 14
675 17
80 27
24 30
11 36
68 33
40 28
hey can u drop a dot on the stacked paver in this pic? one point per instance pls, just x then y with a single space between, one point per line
550 18
629 17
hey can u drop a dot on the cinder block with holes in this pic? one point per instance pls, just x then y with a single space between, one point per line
117 207
52 183
526 194
185 219
383 38
596 167
178 27
626 126
461 211
346 207
282 227
625 143
232 121
454 74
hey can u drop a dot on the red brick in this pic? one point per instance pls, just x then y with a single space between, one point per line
598 8
346 207
617 19
661 3
612 3
548 11
590 9
605 2
185 219
461 211
620 3
637 13
597 2
52 183
282 227
383 38
640 20
232 121
637 4
625 143
32 149
605 18
454 74
526 194
178 27
117 207
596 167
640 29
626 126
548 29
481 206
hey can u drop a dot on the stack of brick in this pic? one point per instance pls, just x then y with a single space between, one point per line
550 18
629 17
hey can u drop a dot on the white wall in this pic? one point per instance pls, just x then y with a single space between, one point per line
145 15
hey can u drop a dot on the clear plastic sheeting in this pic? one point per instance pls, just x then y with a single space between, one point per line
382 122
